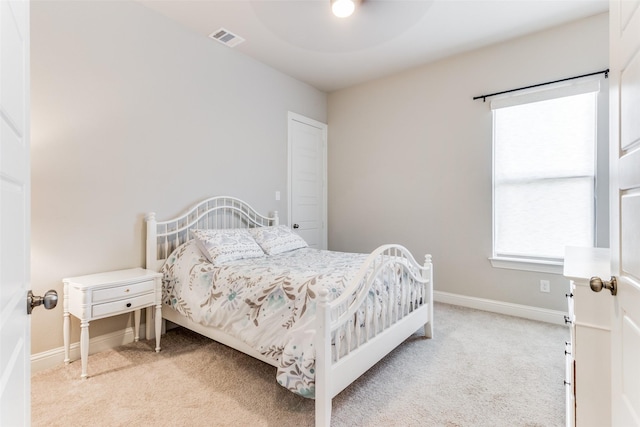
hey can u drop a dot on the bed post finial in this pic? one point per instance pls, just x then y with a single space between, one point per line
276 219
151 216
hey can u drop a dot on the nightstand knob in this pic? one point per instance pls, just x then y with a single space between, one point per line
128 304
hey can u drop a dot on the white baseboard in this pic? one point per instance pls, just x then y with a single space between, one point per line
51 358
525 311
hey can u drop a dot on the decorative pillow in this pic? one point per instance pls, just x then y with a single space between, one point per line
220 246
276 240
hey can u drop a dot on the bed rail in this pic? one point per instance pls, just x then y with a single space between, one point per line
220 212
354 330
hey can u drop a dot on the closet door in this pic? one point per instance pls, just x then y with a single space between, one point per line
308 179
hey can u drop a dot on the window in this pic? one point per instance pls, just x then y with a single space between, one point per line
544 173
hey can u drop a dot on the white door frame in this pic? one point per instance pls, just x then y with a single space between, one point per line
291 117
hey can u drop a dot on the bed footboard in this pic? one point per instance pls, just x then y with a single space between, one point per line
390 298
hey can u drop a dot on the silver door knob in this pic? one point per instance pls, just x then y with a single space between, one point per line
597 284
296 226
49 300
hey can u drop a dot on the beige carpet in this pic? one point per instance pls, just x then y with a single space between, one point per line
481 369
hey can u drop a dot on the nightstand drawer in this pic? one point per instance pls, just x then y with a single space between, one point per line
124 291
122 306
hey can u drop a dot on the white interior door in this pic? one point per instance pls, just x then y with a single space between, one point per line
625 209
15 345
307 179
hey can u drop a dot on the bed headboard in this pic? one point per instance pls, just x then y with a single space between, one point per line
215 213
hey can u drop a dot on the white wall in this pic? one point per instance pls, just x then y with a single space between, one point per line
410 158
131 113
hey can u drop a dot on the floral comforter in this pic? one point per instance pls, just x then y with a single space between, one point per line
266 302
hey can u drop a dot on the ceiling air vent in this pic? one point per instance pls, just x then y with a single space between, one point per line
226 37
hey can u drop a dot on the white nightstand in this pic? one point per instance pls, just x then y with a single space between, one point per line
101 295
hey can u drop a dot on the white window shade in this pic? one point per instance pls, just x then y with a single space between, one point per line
553 91
544 171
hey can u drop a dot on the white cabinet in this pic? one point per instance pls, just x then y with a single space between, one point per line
588 376
101 295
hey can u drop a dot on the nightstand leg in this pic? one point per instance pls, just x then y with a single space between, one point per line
158 325
84 347
65 333
136 325
66 324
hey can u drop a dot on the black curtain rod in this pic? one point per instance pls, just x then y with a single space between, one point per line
484 97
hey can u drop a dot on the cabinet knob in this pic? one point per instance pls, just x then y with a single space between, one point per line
597 284
128 304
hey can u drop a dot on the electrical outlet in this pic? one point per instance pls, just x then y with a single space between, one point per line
545 286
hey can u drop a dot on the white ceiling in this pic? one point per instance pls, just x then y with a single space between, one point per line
304 40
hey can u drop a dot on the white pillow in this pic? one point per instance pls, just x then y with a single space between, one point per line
278 239
220 246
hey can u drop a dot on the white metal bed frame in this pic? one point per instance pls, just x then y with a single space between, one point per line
365 341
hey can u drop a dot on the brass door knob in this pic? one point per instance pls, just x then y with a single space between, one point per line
597 284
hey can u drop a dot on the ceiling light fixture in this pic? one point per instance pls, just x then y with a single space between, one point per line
343 8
